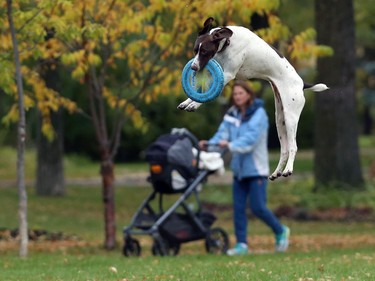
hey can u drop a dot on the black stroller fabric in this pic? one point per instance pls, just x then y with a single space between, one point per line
172 155
180 228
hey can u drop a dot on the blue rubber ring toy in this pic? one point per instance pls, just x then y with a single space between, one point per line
205 85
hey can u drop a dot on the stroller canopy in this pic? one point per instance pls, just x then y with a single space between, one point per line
172 162
171 149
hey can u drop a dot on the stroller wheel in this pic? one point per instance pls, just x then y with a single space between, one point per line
217 241
162 247
131 248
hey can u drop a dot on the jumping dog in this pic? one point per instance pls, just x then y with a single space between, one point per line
244 55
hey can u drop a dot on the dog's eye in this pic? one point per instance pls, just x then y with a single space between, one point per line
203 51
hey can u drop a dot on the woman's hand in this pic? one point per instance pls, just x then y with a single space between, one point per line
223 143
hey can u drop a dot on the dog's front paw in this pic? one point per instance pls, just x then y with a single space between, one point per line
189 105
192 106
185 104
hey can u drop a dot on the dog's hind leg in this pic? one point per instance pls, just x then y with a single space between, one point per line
293 104
282 134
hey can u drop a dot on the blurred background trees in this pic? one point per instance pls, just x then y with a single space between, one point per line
118 64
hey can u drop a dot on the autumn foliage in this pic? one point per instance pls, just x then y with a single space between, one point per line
148 41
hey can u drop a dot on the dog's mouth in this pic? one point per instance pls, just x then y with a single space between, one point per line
194 67
200 63
198 68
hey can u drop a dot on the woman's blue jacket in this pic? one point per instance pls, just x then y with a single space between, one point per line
248 140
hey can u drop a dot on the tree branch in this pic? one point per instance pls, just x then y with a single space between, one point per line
29 20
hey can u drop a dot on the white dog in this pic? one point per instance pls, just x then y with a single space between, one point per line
244 55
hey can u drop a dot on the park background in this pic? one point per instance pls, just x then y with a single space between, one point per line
142 80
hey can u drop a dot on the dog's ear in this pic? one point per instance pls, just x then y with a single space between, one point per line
222 33
207 26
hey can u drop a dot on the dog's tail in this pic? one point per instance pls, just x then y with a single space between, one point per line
316 87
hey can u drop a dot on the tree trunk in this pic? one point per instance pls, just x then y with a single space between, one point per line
97 108
336 126
22 195
50 169
107 172
367 120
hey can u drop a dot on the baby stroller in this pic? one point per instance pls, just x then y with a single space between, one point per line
175 169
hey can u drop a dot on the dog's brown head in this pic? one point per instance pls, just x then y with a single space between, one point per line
209 43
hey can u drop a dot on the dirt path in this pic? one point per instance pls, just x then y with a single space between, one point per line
140 179
130 179
258 244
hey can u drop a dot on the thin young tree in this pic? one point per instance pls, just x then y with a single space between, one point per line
21 137
23 45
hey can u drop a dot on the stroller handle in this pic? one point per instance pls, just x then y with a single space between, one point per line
210 147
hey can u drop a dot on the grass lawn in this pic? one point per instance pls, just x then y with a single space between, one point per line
323 265
318 251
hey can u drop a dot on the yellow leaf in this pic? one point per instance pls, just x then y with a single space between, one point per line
12 115
28 102
93 59
47 129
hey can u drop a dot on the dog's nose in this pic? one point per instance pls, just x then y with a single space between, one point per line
194 67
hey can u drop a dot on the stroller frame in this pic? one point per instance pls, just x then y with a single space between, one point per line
216 239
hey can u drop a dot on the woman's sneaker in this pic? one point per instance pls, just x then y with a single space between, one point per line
239 249
282 240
